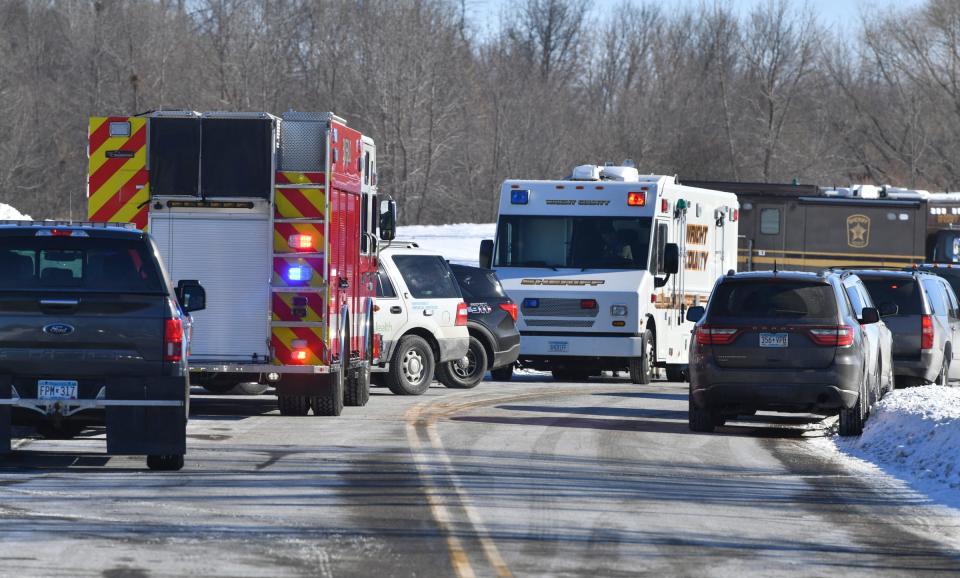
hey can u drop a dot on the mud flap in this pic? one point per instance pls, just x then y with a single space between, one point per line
6 391
147 430
308 384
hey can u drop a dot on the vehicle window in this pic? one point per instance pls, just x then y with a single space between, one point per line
478 284
576 242
384 286
659 242
427 276
935 296
952 298
364 224
856 300
902 292
800 301
109 265
770 221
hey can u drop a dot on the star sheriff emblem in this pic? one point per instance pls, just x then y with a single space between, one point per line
858 231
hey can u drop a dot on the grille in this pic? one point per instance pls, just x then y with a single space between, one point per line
558 308
557 323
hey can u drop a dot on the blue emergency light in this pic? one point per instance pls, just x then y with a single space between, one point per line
531 303
299 273
519 197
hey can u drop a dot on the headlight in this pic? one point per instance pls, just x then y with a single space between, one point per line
618 310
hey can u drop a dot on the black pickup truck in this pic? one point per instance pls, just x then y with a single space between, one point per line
93 333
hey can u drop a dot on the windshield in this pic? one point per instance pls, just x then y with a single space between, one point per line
478 284
581 242
763 299
900 291
427 276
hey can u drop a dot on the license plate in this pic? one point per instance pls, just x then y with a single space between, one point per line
773 340
56 389
559 346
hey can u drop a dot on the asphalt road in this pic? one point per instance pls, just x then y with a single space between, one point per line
528 478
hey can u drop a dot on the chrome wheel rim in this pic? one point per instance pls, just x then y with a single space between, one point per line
466 365
413 366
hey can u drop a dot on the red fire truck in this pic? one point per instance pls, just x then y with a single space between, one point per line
278 217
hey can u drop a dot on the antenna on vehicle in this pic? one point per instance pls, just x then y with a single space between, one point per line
775 266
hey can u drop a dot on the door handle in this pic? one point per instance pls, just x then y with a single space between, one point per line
427 313
59 302
396 309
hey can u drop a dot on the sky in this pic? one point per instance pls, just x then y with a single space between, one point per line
837 14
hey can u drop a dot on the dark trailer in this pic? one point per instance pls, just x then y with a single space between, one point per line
798 227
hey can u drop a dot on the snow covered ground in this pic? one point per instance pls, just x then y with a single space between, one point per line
459 243
914 434
8 213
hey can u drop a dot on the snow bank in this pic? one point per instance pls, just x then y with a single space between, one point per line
914 434
459 243
8 213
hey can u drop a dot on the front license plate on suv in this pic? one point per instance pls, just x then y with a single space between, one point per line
773 340
56 389
559 346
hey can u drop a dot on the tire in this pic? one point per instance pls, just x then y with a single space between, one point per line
165 463
851 420
252 388
703 420
219 384
676 373
357 391
67 430
293 405
504 373
642 368
330 404
944 377
467 372
411 367
570 375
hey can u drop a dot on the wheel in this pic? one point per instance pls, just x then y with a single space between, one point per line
504 373
702 420
218 383
642 368
944 377
569 374
676 373
65 430
411 367
330 404
167 463
293 405
252 388
466 372
851 420
357 390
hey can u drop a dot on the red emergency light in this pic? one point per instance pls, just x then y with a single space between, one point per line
664 206
588 304
300 241
636 199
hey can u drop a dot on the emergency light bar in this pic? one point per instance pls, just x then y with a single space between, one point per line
636 199
520 197
299 273
300 241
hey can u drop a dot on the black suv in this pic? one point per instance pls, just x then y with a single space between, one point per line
491 321
91 332
781 341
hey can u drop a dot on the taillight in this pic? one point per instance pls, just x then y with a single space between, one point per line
461 314
510 308
173 340
926 332
711 335
833 336
588 304
298 355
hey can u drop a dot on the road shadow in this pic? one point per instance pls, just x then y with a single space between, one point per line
644 395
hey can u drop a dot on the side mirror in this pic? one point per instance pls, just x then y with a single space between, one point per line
191 295
388 220
486 253
869 315
888 309
695 314
671 258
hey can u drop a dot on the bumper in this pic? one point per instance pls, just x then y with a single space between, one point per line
627 345
507 357
788 390
453 348
927 367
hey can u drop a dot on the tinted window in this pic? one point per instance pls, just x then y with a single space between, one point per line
427 276
800 301
384 286
902 292
856 300
952 276
936 297
35 263
478 284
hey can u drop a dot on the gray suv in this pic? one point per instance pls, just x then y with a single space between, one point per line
925 321
783 341
92 332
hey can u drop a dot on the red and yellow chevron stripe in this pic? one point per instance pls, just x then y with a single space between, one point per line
300 178
281 266
283 231
299 203
118 185
282 339
283 306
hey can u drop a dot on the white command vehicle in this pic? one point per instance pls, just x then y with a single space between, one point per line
421 315
604 265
